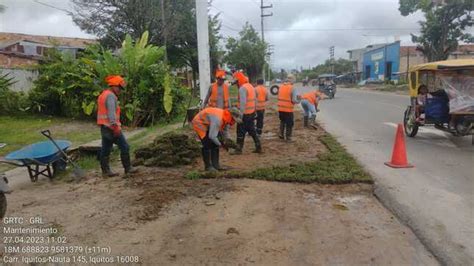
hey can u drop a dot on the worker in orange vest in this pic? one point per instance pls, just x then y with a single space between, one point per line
108 118
309 103
247 102
287 98
208 124
262 98
218 94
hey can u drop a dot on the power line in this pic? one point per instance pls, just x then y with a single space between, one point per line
335 29
55 7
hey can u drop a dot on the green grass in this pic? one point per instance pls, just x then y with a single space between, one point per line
19 131
335 166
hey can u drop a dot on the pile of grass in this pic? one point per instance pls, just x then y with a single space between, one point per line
335 166
168 150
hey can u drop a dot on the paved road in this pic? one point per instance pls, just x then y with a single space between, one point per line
436 197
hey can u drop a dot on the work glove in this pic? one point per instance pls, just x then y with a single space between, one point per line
116 130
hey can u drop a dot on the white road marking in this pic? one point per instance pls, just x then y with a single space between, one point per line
445 142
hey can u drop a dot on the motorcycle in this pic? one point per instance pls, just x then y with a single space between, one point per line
329 90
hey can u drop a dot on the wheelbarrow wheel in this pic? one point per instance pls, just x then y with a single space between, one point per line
3 204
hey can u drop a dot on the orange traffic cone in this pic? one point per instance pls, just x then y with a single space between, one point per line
399 155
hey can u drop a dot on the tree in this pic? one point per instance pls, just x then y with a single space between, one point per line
112 20
444 27
247 52
341 66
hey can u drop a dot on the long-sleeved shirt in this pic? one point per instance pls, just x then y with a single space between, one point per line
214 127
220 97
294 96
111 104
243 99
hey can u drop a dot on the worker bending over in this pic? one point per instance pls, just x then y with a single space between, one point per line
287 98
218 94
208 123
309 102
262 98
108 118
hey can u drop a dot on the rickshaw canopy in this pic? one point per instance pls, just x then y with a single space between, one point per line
444 65
438 66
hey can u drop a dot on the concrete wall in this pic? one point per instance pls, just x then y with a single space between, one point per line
375 62
24 78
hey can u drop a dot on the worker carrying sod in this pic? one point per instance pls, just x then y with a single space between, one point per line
246 102
262 99
309 103
108 118
209 123
218 94
287 98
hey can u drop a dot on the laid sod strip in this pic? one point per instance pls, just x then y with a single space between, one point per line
335 166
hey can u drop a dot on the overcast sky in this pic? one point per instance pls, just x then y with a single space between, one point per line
301 31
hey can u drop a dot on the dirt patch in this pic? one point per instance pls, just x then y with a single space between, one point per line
159 187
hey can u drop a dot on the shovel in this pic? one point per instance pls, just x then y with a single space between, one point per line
77 171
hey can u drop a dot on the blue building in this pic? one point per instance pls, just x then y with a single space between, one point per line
382 63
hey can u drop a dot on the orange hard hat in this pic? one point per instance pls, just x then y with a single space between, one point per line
241 78
115 80
220 74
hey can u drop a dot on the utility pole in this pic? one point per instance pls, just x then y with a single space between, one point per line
203 47
262 16
331 58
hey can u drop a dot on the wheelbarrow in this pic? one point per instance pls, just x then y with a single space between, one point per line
41 158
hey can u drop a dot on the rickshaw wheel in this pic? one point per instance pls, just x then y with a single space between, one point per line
409 124
274 89
3 204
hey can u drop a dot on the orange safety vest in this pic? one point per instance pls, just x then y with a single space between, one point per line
285 103
250 104
213 96
261 97
201 121
102 118
311 97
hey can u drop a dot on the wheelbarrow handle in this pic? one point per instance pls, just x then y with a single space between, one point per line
46 133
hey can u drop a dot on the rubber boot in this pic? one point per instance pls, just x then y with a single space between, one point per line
104 165
240 146
127 165
215 160
289 131
258 145
206 157
313 122
281 135
305 121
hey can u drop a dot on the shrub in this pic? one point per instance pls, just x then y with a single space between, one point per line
69 87
11 102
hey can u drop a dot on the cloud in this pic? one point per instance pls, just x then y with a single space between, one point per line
302 31
30 17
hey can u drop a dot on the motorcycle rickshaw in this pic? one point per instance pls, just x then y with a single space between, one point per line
327 85
442 95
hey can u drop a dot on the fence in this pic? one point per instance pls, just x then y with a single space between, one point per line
23 78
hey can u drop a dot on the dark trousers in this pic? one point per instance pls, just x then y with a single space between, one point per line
207 143
247 126
108 140
210 153
286 123
260 116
